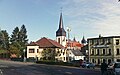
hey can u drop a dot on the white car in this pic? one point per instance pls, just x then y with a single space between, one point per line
117 68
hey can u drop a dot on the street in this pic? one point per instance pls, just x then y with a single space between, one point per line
21 68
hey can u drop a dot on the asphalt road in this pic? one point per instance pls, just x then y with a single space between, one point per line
20 68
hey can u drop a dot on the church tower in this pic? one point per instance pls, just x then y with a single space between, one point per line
61 33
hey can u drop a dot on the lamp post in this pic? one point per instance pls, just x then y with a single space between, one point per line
68 30
24 59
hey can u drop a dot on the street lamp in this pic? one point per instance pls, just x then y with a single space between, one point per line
24 59
68 30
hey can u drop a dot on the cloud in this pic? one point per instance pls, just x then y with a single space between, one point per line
93 17
110 24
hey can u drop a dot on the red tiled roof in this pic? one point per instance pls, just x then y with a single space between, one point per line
75 44
48 43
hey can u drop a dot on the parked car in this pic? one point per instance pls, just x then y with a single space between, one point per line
117 68
88 65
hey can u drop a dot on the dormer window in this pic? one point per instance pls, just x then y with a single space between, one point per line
117 42
108 42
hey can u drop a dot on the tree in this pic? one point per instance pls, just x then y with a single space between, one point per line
4 44
19 39
23 36
4 40
15 35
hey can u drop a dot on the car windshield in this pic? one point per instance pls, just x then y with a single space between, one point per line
117 65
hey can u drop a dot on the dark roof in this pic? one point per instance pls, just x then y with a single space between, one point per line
104 37
77 52
48 43
83 40
61 31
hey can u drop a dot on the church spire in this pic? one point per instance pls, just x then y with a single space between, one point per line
61 21
61 31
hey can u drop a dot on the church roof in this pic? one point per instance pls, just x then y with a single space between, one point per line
83 40
61 31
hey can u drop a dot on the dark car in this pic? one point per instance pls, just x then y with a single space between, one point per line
88 65
117 68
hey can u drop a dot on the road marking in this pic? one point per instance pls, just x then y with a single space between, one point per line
3 66
1 73
68 72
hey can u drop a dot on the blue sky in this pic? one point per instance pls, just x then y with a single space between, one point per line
41 17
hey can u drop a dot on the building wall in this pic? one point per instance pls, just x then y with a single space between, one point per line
61 40
62 55
103 48
35 54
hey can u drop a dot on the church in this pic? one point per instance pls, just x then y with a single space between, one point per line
65 49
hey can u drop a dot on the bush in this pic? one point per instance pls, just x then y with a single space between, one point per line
17 59
30 59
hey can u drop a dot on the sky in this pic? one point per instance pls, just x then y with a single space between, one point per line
87 18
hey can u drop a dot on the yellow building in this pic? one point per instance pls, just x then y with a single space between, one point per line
107 48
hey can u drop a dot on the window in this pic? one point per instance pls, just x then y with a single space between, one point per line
64 58
118 52
63 53
98 61
103 41
37 50
98 52
97 42
93 61
108 41
109 52
117 42
92 41
58 40
92 52
58 51
103 51
31 50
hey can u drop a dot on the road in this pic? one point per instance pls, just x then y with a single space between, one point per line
20 68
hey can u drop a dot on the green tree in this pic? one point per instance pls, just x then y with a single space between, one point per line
23 36
14 42
49 54
4 40
4 44
19 39
15 35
